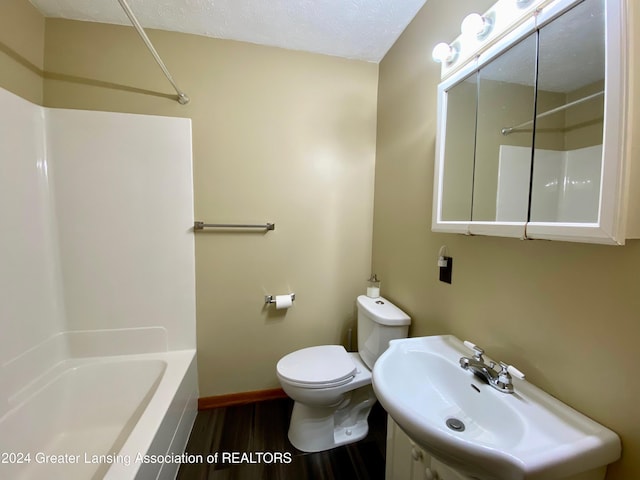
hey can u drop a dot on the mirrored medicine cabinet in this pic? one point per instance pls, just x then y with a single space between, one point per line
531 130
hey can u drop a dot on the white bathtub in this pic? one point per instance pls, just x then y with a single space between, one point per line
115 417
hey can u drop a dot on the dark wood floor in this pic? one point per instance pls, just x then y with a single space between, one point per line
254 429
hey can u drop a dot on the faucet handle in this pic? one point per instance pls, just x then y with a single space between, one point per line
478 352
511 370
515 372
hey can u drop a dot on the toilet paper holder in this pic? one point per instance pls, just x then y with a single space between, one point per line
272 298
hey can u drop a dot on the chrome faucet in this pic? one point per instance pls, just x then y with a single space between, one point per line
500 380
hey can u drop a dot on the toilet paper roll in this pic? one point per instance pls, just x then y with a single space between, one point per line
283 302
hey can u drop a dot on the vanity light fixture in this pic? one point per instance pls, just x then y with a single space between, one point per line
444 53
476 25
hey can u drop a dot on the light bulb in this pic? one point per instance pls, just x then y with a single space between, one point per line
475 25
443 52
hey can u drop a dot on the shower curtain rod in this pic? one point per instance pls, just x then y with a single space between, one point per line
183 99
508 130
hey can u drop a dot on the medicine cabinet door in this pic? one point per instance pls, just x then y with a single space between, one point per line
459 144
506 96
570 115
576 184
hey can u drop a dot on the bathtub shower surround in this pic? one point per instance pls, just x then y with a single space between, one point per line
97 292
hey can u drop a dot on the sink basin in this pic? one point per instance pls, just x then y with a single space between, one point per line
491 435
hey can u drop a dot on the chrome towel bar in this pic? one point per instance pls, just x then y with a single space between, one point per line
202 225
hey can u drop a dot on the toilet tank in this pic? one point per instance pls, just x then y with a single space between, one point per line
379 321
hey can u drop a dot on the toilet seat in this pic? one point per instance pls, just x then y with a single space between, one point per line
322 366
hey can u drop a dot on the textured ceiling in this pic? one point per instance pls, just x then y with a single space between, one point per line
358 29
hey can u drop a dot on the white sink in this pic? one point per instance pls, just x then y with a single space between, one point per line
524 435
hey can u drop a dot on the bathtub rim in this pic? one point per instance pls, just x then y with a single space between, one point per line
178 364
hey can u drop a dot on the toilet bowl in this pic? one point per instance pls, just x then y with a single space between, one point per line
331 387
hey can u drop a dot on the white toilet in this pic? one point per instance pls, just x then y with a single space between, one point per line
331 387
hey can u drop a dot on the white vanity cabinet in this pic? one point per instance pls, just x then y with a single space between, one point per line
535 137
407 461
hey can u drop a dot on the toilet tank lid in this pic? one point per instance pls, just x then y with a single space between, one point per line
383 311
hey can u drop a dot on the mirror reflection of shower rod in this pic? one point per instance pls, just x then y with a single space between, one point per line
508 130
183 99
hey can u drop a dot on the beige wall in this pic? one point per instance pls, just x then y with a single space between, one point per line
278 136
21 49
566 314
